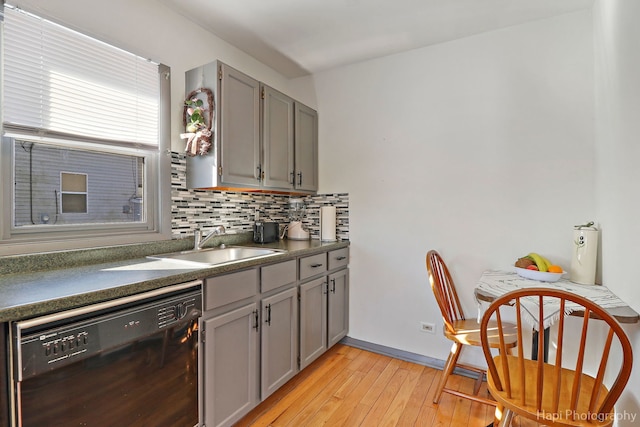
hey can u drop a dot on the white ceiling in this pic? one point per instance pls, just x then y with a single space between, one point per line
299 37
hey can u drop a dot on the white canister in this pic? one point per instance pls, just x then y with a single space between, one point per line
585 254
328 224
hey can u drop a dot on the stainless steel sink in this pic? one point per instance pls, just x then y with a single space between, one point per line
217 256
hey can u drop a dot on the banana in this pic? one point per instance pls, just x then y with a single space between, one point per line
542 265
546 260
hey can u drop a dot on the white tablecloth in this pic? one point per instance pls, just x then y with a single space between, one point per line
498 283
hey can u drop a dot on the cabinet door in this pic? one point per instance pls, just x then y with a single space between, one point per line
279 340
306 148
230 365
240 128
277 139
313 320
4 386
338 306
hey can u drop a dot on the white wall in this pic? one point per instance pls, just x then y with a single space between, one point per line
481 148
486 148
149 29
617 71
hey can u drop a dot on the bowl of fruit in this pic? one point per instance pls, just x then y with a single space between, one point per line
536 267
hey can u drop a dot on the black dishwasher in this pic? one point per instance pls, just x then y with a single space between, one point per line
126 362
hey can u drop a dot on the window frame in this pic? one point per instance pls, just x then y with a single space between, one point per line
156 224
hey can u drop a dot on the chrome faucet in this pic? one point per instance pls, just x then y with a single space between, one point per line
199 242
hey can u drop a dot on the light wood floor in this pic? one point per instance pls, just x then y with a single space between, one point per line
352 387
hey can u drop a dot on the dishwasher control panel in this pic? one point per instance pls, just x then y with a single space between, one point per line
170 314
65 344
48 346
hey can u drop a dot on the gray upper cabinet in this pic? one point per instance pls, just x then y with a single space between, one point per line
263 139
277 139
306 148
234 158
240 128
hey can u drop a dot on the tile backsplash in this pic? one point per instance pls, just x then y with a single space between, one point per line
191 209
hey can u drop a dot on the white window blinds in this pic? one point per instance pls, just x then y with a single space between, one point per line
60 82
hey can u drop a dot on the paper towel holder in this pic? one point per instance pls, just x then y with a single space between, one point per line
328 224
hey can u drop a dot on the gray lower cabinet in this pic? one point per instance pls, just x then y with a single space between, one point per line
261 326
279 334
324 303
338 306
279 338
313 320
250 333
230 366
230 352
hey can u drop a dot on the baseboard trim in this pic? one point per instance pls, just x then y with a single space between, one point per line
403 355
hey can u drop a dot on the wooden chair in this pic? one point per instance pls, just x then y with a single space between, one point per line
458 329
550 393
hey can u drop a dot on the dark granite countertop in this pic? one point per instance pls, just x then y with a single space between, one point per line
50 287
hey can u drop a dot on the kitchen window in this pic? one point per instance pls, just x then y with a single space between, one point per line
85 136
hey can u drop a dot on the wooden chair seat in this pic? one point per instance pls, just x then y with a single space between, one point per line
467 332
564 411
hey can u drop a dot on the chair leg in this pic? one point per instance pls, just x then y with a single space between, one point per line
478 383
503 417
452 360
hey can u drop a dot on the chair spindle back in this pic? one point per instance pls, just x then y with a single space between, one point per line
444 289
558 389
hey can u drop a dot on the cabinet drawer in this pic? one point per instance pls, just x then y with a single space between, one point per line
313 265
222 290
276 275
338 258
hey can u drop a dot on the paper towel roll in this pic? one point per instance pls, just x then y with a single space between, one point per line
585 253
328 224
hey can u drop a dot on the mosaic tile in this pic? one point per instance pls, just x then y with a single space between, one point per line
191 209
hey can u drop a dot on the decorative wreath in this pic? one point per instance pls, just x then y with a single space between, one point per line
198 132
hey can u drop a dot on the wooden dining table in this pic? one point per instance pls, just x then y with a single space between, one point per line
495 283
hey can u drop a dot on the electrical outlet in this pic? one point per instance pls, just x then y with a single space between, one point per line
428 327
